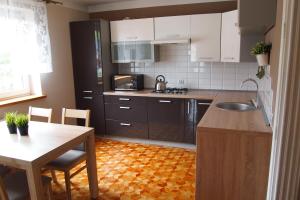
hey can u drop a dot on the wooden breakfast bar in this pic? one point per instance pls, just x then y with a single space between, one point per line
45 142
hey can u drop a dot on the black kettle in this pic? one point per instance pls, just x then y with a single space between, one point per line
160 84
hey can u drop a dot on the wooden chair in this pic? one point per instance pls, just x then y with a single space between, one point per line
74 157
14 186
40 112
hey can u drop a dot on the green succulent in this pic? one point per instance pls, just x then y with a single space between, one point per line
21 120
261 48
10 118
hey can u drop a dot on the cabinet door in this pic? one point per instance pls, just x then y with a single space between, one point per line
230 37
205 37
189 129
166 119
132 30
176 27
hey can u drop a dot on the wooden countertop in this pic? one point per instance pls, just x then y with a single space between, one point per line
250 121
191 94
216 118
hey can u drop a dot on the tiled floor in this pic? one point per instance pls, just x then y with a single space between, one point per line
137 171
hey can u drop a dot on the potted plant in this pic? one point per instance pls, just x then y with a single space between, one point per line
22 123
10 118
261 51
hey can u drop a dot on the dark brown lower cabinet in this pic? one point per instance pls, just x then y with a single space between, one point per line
126 116
125 128
189 121
166 119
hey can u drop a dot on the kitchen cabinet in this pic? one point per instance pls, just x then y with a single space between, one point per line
175 27
189 121
126 116
206 37
262 20
230 37
92 68
166 119
126 52
236 46
194 111
132 30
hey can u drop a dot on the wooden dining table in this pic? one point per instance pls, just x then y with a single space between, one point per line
44 143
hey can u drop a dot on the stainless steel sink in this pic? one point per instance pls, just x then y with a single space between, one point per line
237 106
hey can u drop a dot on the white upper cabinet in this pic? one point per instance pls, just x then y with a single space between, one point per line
132 30
230 37
205 37
175 27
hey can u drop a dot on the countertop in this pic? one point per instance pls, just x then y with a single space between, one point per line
191 94
216 118
249 121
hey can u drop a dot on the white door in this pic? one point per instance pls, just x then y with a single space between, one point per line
230 37
132 30
205 37
175 27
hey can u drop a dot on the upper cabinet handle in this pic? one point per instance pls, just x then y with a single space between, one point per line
124 99
207 58
164 101
123 107
228 58
204 103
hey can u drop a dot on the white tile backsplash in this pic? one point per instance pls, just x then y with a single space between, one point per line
175 65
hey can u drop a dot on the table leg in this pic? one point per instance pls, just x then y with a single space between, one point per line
92 166
35 184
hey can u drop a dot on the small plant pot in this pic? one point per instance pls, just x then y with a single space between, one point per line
23 130
12 128
262 59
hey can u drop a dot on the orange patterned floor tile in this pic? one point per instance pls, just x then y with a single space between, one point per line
129 171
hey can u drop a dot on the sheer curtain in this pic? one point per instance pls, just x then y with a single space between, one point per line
24 37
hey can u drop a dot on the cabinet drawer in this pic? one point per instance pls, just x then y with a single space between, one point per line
125 100
127 129
130 113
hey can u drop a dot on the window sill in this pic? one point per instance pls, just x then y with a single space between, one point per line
20 100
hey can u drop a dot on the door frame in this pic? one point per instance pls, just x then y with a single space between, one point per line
284 177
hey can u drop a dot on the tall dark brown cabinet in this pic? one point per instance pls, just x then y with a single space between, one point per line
92 67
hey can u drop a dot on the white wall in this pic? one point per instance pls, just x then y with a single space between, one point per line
58 85
175 65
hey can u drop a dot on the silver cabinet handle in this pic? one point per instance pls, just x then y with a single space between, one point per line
206 58
124 107
228 58
207 104
188 108
125 124
87 91
124 99
164 101
88 97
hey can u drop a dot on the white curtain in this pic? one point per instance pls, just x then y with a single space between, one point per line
24 36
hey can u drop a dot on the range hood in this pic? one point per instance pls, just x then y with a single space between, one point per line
172 41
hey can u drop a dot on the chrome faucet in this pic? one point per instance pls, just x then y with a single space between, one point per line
254 101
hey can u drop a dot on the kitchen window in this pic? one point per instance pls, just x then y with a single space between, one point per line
24 46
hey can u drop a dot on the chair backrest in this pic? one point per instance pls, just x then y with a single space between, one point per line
78 114
3 193
40 112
